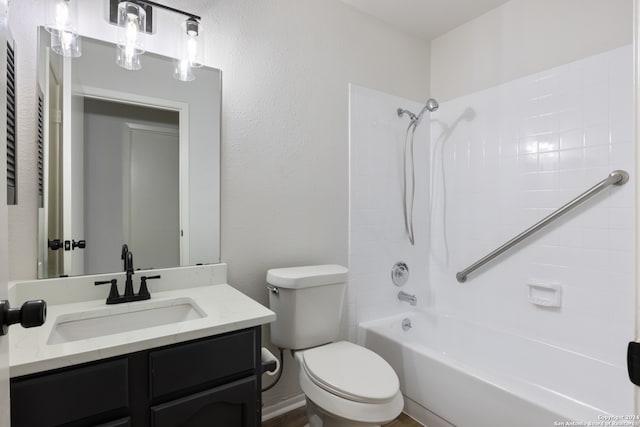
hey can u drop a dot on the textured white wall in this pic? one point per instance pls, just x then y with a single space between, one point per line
286 68
523 37
23 218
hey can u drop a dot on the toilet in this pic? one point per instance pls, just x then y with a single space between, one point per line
345 385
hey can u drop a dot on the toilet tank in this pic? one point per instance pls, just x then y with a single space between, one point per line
308 304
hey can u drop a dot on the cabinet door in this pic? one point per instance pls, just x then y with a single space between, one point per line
202 364
123 422
84 395
233 404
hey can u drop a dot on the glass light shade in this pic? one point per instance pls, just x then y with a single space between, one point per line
182 70
131 38
60 21
129 59
61 15
66 43
192 42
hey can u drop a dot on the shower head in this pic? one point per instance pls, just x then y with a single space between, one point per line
432 105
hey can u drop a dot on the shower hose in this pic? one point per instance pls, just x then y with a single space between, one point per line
409 199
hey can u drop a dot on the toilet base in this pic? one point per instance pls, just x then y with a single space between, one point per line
320 418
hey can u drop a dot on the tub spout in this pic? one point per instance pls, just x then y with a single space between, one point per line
411 299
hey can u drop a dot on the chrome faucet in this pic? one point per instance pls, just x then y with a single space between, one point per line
411 299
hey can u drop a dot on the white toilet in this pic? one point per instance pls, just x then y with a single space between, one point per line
346 385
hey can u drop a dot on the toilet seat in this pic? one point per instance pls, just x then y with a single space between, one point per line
351 382
351 372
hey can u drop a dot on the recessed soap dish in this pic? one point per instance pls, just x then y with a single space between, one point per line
545 295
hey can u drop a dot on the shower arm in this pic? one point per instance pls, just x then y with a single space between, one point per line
617 177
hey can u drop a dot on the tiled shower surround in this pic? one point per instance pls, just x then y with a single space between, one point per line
377 238
501 159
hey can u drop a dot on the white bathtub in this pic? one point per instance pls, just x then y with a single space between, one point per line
472 376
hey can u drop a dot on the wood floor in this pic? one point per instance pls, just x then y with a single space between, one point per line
298 418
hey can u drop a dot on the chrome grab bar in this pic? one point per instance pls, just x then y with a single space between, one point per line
617 177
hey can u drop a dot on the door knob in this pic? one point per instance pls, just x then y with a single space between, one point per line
55 244
30 315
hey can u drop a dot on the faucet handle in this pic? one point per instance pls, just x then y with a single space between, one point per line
113 292
143 293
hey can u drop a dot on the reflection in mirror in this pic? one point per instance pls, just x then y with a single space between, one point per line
128 157
132 169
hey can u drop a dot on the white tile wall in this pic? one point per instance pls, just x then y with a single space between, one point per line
377 236
533 145
507 156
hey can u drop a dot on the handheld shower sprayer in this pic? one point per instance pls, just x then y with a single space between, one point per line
402 112
431 105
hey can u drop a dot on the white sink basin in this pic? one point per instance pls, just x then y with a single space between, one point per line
123 318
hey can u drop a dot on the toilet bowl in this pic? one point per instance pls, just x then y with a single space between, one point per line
346 385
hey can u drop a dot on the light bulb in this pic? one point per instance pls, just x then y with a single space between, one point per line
132 31
191 43
62 14
183 71
66 40
192 49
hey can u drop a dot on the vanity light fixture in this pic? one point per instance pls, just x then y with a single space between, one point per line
134 19
61 19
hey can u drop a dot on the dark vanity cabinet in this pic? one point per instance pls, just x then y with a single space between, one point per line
213 381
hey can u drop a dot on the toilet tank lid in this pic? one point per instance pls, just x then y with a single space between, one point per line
307 276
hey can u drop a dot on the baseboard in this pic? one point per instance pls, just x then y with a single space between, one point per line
282 407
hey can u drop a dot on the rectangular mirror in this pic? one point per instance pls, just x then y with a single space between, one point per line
126 157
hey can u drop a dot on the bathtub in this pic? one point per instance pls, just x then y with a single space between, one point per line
454 372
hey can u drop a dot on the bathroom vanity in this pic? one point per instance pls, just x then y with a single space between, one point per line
199 367
186 384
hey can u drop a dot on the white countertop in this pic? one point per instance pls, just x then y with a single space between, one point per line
226 310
